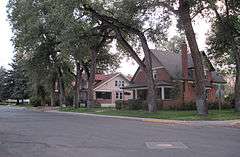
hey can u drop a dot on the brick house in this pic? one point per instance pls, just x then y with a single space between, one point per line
174 78
109 88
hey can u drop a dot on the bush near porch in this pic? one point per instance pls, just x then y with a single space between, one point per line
142 105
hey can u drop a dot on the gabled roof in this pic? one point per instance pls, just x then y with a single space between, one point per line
172 62
101 79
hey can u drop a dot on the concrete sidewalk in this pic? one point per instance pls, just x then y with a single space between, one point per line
227 123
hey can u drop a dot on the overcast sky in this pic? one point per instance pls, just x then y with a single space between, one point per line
6 48
126 67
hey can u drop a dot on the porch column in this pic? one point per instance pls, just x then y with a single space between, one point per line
136 95
162 93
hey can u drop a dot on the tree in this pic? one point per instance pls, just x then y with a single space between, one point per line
35 37
172 45
49 34
224 39
86 41
4 93
187 9
123 25
18 75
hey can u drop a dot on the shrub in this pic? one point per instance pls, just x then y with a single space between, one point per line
97 104
230 100
35 101
136 104
188 106
119 104
133 104
215 106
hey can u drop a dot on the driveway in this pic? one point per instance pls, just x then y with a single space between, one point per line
25 133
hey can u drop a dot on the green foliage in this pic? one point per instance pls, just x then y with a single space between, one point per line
133 104
119 104
35 101
221 41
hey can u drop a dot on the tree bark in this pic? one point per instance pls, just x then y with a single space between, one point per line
151 97
62 99
52 95
237 83
184 14
91 80
78 76
146 67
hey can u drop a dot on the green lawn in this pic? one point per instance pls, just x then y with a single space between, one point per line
173 115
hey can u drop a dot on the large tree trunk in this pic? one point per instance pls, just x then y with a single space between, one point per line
62 98
237 83
91 80
52 93
77 85
184 12
151 97
146 67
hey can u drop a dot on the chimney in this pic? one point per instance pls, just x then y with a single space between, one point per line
184 60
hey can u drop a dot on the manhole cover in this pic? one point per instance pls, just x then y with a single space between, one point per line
166 145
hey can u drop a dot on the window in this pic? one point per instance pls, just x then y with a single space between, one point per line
117 95
116 83
190 73
206 73
127 93
103 95
207 93
122 83
169 93
154 74
121 95
159 93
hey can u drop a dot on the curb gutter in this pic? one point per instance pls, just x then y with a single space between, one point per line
229 123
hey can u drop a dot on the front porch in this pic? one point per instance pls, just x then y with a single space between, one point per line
162 93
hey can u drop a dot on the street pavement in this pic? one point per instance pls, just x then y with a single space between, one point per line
25 133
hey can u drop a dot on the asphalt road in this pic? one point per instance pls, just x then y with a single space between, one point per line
26 133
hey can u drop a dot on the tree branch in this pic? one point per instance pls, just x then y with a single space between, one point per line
126 45
166 5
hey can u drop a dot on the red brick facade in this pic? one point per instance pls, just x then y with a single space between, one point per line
186 84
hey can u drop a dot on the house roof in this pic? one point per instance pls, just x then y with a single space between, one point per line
100 79
141 85
172 62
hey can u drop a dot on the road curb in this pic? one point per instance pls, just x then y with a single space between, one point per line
98 115
230 123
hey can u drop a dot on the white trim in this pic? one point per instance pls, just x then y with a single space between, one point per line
167 86
136 95
103 91
140 88
160 67
162 93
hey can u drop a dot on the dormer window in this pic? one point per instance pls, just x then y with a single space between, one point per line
190 73
205 73
122 83
154 74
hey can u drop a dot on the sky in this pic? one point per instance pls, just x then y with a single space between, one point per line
6 47
127 66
